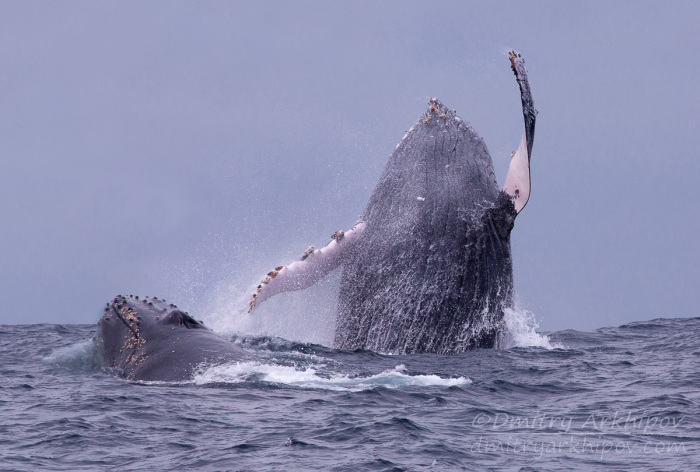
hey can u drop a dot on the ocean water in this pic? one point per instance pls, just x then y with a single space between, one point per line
624 399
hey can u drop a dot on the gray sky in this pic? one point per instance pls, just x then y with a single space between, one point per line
181 149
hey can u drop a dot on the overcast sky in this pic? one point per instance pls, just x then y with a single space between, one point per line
181 149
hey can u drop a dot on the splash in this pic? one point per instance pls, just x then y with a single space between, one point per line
80 356
521 331
306 316
312 378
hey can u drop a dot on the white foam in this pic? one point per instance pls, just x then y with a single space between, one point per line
521 331
309 377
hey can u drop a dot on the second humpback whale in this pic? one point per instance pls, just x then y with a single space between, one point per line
149 339
428 266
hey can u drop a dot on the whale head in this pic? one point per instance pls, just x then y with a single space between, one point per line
147 338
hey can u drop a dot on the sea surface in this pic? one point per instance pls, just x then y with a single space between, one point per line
623 399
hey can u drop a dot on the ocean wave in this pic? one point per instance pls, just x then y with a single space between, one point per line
310 377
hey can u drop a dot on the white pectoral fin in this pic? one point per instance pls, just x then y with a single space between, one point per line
518 179
313 266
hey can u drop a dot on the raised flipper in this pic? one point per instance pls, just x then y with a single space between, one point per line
313 266
517 183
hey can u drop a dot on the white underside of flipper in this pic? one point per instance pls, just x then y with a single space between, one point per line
314 265
517 183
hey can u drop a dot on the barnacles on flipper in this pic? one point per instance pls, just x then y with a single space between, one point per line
512 55
273 273
307 253
338 236
251 305
516 56
265 280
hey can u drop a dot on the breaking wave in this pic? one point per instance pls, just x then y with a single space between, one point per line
313 378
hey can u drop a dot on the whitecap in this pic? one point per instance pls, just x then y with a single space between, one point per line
310 378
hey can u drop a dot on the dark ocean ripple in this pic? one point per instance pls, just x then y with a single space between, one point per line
621 399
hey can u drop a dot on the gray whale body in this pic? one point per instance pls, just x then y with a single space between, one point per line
427 267
149 339
432 270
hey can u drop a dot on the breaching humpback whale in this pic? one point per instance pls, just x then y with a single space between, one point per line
427 267
148 339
